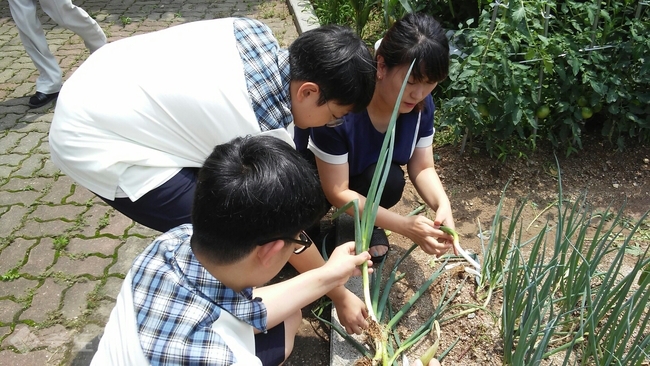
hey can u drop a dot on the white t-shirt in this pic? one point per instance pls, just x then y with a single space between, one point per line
140 109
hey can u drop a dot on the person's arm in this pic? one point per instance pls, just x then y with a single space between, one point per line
335 180
423 175
351 309
285 298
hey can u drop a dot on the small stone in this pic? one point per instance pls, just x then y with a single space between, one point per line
615 185
646 161
471 316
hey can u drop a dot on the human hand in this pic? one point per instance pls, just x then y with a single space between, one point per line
350 309
344 263
352 312
424 233
444 217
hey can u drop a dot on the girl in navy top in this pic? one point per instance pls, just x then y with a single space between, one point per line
346 155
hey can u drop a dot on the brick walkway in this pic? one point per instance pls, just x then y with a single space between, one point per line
63 252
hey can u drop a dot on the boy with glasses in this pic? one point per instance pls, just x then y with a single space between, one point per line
192 298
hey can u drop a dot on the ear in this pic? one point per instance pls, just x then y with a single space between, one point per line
307 90
381 68
266 253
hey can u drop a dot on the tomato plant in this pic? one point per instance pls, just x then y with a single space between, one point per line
526 59
513 57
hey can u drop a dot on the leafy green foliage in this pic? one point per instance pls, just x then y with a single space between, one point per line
60 242
125 20
532 70
553 70
10 275
333 11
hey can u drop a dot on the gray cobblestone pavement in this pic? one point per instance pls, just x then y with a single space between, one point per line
63 252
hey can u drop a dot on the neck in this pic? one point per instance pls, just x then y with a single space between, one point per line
379 112
228 274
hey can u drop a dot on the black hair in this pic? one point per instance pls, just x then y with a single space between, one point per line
417 37
338 61
252 190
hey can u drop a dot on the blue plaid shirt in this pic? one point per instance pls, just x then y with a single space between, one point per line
176 301
266 68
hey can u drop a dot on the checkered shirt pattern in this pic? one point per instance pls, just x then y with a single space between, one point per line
266 69
176 301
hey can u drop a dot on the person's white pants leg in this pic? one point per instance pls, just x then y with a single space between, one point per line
74 18
33 38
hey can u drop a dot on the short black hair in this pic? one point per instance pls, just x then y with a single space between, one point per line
249 191
417 37
338 61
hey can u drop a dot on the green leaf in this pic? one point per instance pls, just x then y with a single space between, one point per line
644 274
519 12
510 104
516 115
530 54
605 15
561 73
548 65
406 5
612 96
599 88
543 39
633 117
466 74
575 64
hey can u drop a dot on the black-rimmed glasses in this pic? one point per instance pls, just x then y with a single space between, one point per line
337 121
303 241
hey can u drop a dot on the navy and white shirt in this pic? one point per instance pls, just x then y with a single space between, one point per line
177 313
358 143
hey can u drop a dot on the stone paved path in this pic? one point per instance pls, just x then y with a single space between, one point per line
63 252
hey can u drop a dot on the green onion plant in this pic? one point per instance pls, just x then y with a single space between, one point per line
570 294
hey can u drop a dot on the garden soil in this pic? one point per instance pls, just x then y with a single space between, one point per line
475 183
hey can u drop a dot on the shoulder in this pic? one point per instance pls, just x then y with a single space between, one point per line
246 28
354 125
356 117
248 23
153 263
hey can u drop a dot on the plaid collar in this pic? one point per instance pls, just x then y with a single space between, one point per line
176 302
242 305
169 283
